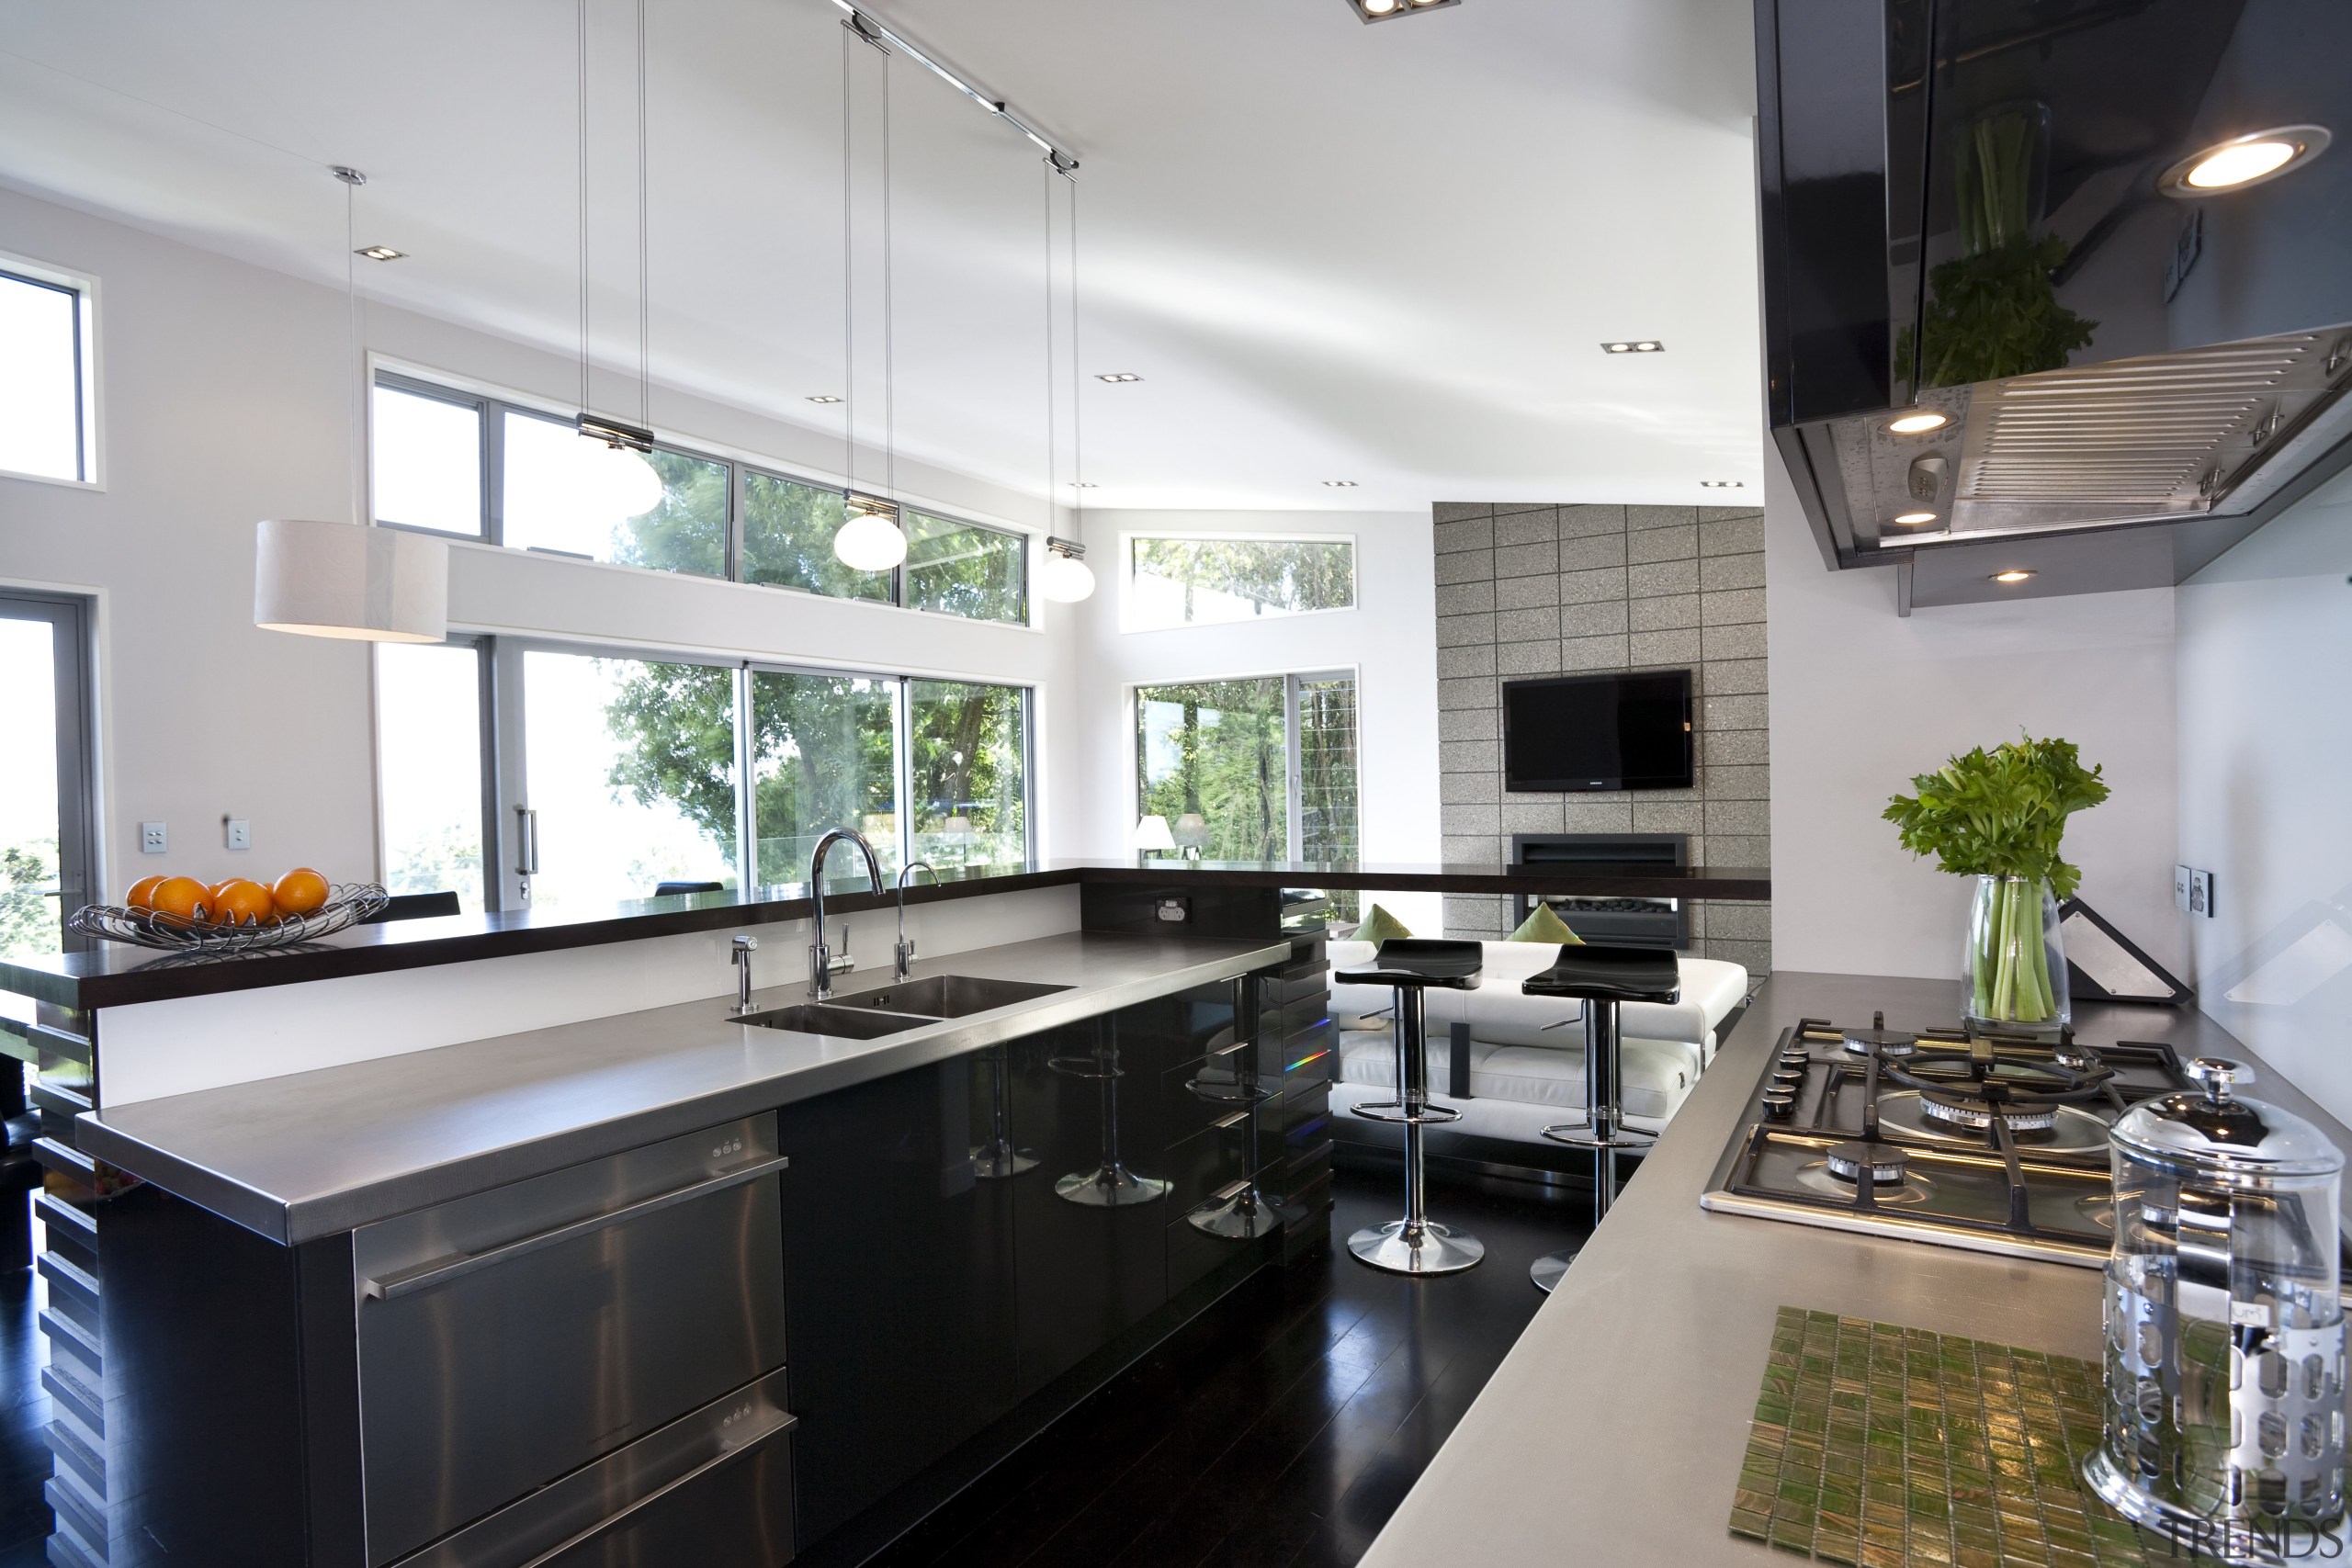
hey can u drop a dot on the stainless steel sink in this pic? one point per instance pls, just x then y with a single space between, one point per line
948 995
837 1020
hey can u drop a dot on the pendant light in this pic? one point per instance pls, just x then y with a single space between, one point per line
1063 576
609 471
870 538
350 580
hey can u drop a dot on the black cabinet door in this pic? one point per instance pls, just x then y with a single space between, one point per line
899 1282
1089 1260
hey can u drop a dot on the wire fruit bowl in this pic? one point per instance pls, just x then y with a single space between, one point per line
348 903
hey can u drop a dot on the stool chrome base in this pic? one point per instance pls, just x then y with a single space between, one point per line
1435 1250
994 1162
1111 1187
1546 1271
1242 1217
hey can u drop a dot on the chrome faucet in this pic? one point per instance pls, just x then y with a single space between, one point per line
820 961
904 960
746 944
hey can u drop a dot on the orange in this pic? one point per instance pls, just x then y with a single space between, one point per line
300 891
142 890
240 902
182 896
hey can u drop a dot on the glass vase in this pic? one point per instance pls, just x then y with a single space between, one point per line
2015 970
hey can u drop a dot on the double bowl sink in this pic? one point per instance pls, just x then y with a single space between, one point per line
895 1008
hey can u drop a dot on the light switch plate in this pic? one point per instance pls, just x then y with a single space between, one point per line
2180 875
153 838
239 831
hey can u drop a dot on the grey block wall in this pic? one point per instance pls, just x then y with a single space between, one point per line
1532 591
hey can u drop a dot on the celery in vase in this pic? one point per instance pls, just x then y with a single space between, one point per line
2015 969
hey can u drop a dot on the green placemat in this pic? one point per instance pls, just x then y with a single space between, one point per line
1886 1447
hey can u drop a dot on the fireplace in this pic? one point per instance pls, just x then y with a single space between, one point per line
1628 922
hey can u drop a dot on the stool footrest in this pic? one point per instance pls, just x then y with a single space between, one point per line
1583 1139
1393 1112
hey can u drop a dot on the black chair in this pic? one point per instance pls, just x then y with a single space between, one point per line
669 889
415 907
1601 977
1416 1244
20 1168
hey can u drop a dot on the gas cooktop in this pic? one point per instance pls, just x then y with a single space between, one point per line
1990 1142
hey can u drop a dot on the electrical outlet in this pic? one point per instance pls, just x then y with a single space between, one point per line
1174 910
239 831
2180 875
2201 893
153 838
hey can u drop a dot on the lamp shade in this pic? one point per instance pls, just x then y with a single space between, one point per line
870 541
1065 581
613 482
1192 830
348 580
1151 833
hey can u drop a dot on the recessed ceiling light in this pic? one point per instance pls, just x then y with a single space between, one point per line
2015 574
1722 484
2243 161
1633 345
1085 484
1918 423
822 398
1389 10
1120 376
1910 517
380 253
1340 484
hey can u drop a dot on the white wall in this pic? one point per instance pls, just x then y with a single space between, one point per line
224 395
1390 640
1862 700
2265 646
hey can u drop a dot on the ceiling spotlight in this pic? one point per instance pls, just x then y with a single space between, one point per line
1387 10
1084 484
2015 574
1907 518
1340 484
822 398
1633 345
2244 161
1918 423
1722 484
1120 377
380 253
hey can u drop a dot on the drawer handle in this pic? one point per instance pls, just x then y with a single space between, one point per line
408 1282
612 1522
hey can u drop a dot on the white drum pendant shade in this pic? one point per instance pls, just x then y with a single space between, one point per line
348 580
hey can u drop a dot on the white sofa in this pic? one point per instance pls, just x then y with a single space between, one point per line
1525 1076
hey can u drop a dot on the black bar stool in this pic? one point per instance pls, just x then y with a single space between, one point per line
1248 1213
1416 1244
1601 977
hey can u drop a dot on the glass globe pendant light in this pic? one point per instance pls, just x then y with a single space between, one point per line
1066 578
871 540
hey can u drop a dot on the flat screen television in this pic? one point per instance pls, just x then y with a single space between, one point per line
1595 732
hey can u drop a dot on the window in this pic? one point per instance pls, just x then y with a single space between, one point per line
1269 764
48 425
428 732
969 756
670 510
1202 579
827 758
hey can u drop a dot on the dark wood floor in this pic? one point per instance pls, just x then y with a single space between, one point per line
1281 1429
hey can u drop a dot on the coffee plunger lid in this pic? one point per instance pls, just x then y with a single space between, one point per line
2212 1129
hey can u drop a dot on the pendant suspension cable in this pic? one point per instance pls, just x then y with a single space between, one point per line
1053 429
644 244
1077 381
889 320
849 287
580 146
352 180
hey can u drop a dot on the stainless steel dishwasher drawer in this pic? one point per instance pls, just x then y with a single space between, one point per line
509 1339
711 1490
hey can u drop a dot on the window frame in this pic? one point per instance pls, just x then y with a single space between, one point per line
1294 779
89 425
1127 537
494 406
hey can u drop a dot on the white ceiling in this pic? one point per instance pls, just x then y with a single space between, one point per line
1386 253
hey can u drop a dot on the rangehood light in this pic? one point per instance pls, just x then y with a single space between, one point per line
2013 575
1908 518
2244 161
1918 423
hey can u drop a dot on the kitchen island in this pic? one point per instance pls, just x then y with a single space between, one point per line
1614 1432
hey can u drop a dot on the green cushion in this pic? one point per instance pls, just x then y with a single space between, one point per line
1543 924
1381 926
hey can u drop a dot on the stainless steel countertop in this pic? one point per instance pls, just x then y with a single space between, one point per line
1612 1432
312 1153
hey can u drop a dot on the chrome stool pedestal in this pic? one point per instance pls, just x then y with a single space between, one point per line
997 1158
1601 977
1416 1244
1109 1185
1248 1213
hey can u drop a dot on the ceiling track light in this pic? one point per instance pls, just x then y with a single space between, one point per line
1633 345
882 36
2244 162
1389 10
1120 377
